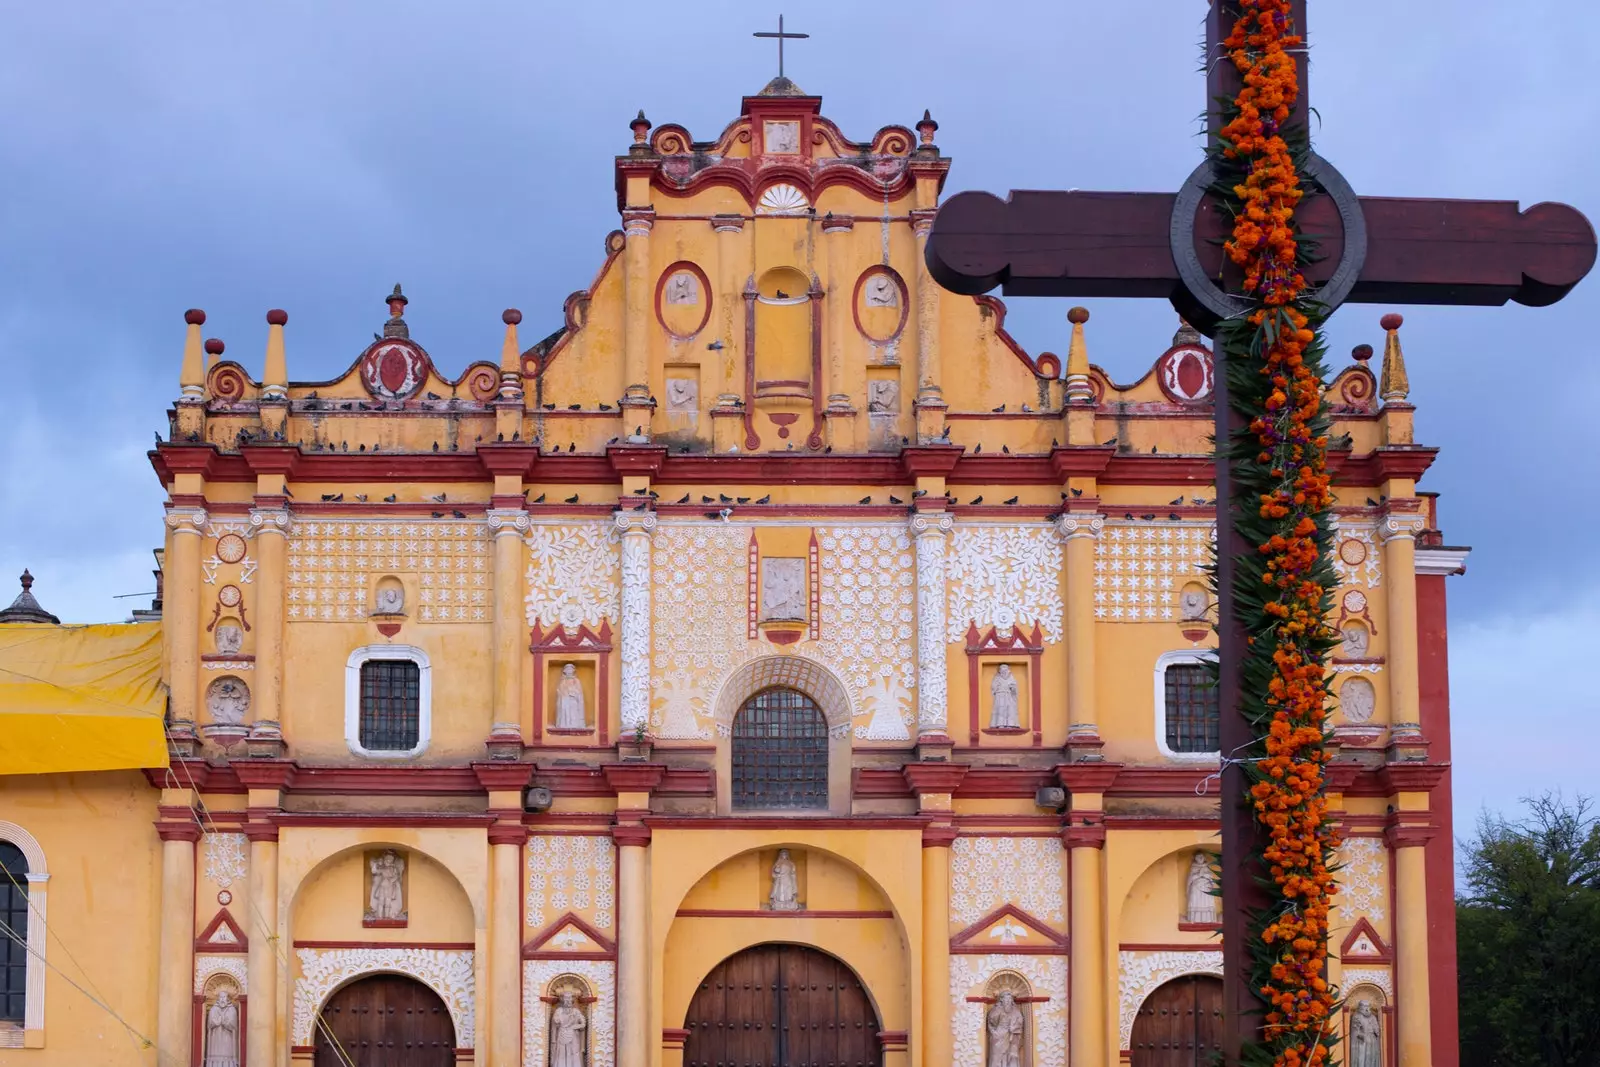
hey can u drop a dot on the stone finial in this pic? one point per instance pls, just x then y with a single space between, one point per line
214 350
396 326
1394 385
1361 353
926 129
511 350
25 608
640 127
275 368
1186 335
1078 388
192 375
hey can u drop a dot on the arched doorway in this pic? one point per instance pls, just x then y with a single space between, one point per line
781 1006
385 1020
1180 1024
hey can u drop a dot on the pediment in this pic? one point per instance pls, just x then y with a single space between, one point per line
1008 929
1364 944
569 937
222 934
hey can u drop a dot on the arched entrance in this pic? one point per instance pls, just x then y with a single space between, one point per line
1180 1024
781 1005
385 1020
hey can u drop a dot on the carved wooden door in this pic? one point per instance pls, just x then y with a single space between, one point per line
1180 1024
385 1020
781 1006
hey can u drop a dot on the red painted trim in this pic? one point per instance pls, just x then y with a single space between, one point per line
991 645
933 778
205 942
751 440
584 641
608 947
1384 953
705 287
737 913
1204 946
814 438
1433 683
1011 950
910 824
408 819
1170 822
905 304
384 924
965 936
452 946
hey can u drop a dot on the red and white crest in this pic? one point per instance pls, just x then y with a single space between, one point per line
394 369
1185 373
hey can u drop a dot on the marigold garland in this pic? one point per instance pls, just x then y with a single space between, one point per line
1282 591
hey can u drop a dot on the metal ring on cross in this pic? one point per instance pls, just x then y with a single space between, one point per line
1225 305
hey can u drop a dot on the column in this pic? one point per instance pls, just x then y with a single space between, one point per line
1413 1007
841 294
928 371
181 610
270 526
261 964
505 945
1086 962
935 1044
508 525
1080 529
638 292
175 967
928 530
633 946
730 369
1398 532
636 528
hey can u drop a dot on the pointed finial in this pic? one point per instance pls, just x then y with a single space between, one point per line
192 374
27 580
1186 335
640 126
926 128
1078 388
1394 385
25 608
396 326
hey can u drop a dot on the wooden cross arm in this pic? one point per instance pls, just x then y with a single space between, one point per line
1090 244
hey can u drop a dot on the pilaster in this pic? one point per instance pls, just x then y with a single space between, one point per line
508 525
1398 531
269 527
635 528
929 530
181 612
1079 528
637 222
930 402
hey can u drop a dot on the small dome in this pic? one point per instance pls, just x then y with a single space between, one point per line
781 86
25 608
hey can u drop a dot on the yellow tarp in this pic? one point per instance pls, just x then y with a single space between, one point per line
81 698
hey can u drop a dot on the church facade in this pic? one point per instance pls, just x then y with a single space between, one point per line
774 664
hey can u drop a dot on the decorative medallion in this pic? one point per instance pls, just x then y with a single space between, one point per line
229 596
880 305
230 548
783 199
224 897
228 699
394 369
683 299
1355 602
1185 372
1352 552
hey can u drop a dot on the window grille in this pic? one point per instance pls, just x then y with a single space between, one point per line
780 752
1191 708
13 950
390 701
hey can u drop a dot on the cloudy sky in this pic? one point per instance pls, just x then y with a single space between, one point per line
157 156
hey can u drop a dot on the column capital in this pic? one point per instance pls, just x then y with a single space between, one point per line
508 833
268 520
635 835
1408 834
1084 829
634 522
507 521
832 223
173 828
731 223
1400 521
931 777
922 221
638 221
1074 524
942 836
186 520
928 523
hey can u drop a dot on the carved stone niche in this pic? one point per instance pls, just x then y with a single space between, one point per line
227 704
567 1038
221 1024
1003 1045
386 880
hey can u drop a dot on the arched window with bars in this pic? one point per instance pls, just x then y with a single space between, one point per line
780 752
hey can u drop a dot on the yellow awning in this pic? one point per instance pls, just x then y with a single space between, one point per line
81 698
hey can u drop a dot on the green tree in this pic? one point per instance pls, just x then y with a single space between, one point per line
1528 929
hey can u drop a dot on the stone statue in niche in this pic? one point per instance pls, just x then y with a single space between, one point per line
227 699
785 895
683 394
387 899
229 639
567 1025
222 1032
782 137
883 395
1358 700
1366 1036
1201 892
1356 640
1005 1026
882 292
683 288
1192 605
570 713
1003 712
391 600
783 589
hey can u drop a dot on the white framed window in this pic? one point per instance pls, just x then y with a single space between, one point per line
388 701
1187 714
23 896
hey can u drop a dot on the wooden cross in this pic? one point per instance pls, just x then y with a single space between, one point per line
1376 250
781 36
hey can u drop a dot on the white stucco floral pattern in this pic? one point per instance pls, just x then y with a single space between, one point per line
600 976
225 859
700 631
572 575
574 873
867 606
1046 977
987 872
448 972
930 532
1364 881
1002 576
1139 568
1377 977
634 705
1140 973
207 967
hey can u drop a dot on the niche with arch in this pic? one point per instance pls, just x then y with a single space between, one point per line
783 334
332 903
1156 909
1368 1027
219 1030
997 1030
566 1026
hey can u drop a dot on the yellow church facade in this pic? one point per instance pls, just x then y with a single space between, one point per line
774 664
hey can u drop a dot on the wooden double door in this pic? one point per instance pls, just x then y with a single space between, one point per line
1180 1024
385 1020
780 1005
